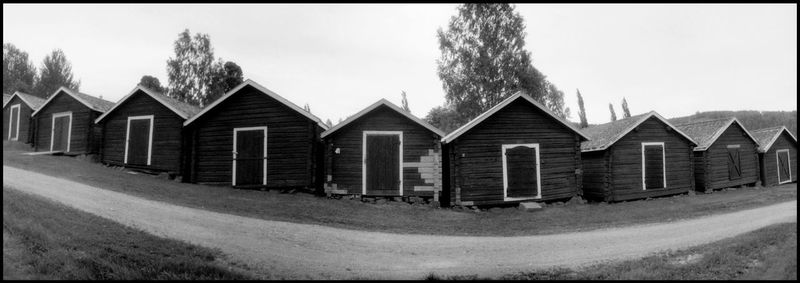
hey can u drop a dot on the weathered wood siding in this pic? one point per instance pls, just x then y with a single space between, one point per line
626 162
167 126
25 129
85 136
419 144
292 141
476 156
596 174
715 174
768 160
701 166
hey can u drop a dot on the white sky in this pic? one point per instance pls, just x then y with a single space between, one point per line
674 59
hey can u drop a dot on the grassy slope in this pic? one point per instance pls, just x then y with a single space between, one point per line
397 217
766 254
46 240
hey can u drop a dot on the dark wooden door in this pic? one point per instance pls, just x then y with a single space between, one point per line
654 166
521 172
783 167
60 133
383 165
734 164
139 141
249 158
13 122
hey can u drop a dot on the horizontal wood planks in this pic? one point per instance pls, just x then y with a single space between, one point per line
715 175
25 129
476 156
768 160
85 136
596 177
166 151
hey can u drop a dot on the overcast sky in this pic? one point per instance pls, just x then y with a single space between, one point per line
674 59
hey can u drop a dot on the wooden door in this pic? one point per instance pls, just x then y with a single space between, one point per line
249 158
139 141
734 164
61 133
521 176
383 165
13 122
654 166
784 169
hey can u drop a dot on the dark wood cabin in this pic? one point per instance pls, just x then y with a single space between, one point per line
65 123
636 157
726 154
516 151
253 138
144 130
777 155
383 150
17 112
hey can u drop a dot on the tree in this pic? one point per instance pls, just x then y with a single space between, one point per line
555 101
329 123
405 101
613 114
224 77
55 72
193 69
625 112
152 83
443 117
483 61
581 111
307 108
19 74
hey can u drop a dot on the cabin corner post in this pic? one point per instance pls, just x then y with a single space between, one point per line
692 184
458 178
578 168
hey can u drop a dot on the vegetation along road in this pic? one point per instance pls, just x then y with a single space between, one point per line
312 251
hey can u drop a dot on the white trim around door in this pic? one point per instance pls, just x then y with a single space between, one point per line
69 128
778 165
364 157
663 163
10 116
128 137
235 151
535 146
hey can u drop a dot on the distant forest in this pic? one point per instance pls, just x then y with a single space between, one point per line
752 120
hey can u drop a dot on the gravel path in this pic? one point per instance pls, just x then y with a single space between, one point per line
275 249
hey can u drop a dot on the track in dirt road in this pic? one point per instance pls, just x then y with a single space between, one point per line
276 249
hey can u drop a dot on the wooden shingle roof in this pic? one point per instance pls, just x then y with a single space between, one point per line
706 132
94 103
182 109
391 106
767 136
34 102
605 135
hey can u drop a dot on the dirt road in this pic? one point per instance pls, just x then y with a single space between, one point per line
276 249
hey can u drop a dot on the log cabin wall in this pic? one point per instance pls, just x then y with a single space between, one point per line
716 175
25 133
768 160
84 139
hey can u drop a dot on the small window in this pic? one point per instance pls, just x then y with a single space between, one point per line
653 166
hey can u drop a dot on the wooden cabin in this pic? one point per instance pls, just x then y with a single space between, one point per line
17 112
65 123
726 154
144 130
253 138
383 150
636 157
777 155
516 151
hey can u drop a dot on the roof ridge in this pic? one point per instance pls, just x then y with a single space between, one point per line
708 121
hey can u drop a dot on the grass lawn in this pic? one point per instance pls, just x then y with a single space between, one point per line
769 253
396 217
47 240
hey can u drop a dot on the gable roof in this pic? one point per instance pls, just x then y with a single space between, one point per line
469 125
94 103
375 105
264 90
182 109
605 135
767 136
6 98
34 102
706 132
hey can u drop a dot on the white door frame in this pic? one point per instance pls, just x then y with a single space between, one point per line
663 163
128 137
364 157
235 151
778 165
10 119
535 146
69 128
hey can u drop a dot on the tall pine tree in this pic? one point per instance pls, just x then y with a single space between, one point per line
404 101
55 72
613 114
581 111
625 112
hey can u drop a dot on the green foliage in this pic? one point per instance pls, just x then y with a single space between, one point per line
613 114
405 101
55 72
444 118
19 74
191 71
152 83
751 119
224 77
483 61
581 111
625 111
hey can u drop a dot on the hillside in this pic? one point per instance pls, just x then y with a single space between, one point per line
752 120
